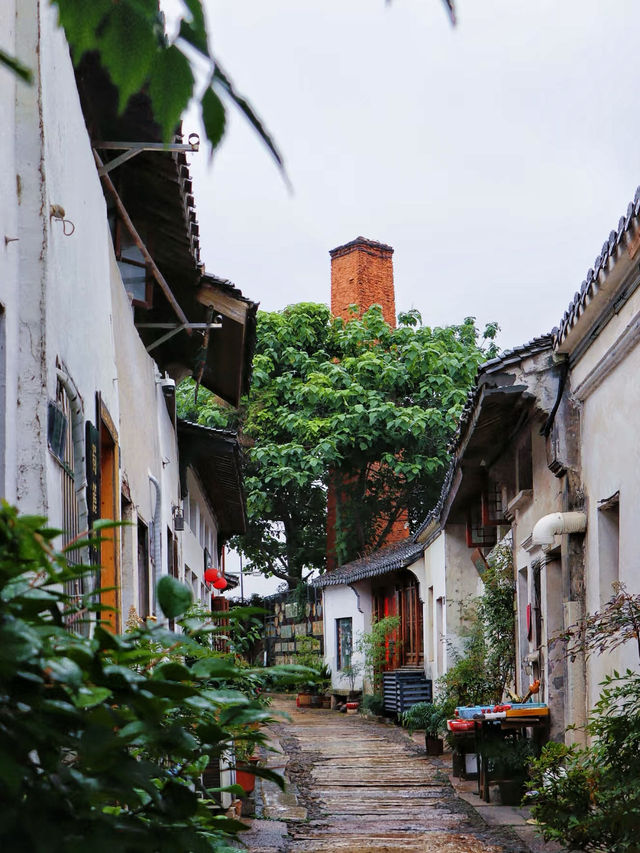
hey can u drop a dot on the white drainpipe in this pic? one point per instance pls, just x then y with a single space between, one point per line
157 537
557 522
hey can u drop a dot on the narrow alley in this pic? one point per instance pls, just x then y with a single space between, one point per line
365 786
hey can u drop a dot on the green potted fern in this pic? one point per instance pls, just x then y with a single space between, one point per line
432 718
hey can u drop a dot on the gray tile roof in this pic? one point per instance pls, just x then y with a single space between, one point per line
612 248
495 365
389 558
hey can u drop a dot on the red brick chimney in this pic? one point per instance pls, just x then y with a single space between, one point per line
362 275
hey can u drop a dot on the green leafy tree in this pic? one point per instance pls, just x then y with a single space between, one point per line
374 405
105 740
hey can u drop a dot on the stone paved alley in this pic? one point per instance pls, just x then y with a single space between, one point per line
365 786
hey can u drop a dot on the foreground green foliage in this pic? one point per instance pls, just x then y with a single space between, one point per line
134 49
104 740
589 798
376 406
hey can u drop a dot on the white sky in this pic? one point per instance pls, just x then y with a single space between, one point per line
494 157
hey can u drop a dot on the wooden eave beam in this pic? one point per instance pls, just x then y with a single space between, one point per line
234 309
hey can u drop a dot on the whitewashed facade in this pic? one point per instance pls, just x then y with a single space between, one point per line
87 421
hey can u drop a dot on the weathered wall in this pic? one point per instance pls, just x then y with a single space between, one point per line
605 380
9 253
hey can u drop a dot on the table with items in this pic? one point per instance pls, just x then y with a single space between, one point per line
499 729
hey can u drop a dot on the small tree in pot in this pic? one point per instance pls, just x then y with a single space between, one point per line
431 717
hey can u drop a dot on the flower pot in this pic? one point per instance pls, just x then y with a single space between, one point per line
326 701
316 701
246 780
352 707
511 792
304 699
433 745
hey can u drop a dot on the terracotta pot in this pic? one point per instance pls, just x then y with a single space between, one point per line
246 779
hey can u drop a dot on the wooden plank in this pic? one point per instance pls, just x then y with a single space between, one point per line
234 309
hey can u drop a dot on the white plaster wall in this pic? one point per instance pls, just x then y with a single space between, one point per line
9 253
463 585
72 306
146 434
610 463
434 563
606 338
65 298
29 361
341 602
192 549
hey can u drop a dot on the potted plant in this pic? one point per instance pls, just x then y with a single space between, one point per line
431 717
508 759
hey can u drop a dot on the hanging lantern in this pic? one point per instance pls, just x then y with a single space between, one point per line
220 583
211 575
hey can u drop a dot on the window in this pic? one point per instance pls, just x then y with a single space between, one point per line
143 570
524 465
60 442
344 641
133 268
608 546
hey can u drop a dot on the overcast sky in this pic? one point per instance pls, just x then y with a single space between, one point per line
494 157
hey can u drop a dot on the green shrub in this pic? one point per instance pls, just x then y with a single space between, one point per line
432 717
373 703
103 741
589 798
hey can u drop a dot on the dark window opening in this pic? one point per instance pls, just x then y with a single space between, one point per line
344 641
143 570
133 267
524 465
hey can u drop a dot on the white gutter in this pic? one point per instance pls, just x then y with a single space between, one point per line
557 522
156 553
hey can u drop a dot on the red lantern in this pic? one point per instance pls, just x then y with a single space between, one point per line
211 575
220 583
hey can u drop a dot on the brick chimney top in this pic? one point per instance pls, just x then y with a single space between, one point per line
361 243
362 275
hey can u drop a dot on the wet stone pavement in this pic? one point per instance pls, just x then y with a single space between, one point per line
365 786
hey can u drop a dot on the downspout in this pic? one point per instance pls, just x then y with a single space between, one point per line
157 538
548 526
79 466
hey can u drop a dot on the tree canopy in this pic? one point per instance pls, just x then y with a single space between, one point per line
372 406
